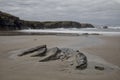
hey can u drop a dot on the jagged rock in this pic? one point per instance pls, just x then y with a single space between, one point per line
66 53
67 50
51 54
80 61
32 50
40 52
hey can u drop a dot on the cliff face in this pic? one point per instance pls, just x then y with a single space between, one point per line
10 22
61 24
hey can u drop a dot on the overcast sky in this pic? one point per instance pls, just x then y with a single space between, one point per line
90 11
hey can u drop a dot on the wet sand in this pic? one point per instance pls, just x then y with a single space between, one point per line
98 47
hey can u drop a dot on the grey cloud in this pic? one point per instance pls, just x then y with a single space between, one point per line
93 11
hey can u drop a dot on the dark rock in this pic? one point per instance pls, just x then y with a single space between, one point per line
99 68
10 22
61 24
51 55
95 34
81 61
75 58
31 50
85 33
86 25
40 52
105 27
66 53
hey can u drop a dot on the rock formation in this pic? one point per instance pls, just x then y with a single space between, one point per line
81 60
99 68
10 22
105 27
40 52
51 55
38 48
77 59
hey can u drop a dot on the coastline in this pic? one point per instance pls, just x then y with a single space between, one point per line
63 32
59 40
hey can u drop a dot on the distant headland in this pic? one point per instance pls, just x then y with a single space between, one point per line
11 22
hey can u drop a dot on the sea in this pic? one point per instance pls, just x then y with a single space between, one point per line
98 30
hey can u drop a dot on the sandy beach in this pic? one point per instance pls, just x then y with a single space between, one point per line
59 40
100 49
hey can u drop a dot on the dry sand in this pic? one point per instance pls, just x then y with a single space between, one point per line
100 50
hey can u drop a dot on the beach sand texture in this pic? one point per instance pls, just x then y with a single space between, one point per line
100 50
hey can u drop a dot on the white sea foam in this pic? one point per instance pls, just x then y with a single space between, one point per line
116 27
109 31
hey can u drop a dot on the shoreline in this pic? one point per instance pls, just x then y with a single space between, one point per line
62 32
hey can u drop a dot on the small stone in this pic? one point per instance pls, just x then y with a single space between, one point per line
99 68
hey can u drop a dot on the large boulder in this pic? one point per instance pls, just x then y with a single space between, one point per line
80 61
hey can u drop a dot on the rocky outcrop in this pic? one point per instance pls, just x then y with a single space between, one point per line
81 61
10 22
86 25
51 54
61 24
40 52
77 59
31 50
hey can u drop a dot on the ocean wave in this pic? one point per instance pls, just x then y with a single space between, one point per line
75 31
117 27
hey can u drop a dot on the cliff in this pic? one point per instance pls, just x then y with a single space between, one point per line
10 22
